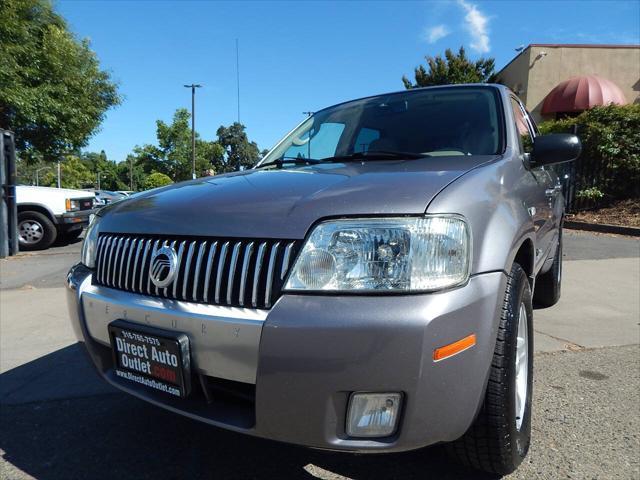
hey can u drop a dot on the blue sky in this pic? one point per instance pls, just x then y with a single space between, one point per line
300 56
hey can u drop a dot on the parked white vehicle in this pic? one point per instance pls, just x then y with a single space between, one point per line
45 214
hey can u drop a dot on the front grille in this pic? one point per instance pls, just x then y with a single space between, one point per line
240 273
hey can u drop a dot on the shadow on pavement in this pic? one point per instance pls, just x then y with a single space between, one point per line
59 420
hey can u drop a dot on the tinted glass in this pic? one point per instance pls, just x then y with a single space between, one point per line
439 122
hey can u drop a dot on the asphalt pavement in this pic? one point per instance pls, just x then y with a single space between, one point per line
58 420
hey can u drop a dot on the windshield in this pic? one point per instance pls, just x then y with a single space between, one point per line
430 122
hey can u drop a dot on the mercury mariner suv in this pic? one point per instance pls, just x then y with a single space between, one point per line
367 287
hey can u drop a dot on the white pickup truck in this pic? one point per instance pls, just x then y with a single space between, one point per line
45 214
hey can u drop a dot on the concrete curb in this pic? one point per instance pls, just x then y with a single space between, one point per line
602 227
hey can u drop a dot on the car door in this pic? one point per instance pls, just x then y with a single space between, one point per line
538 184
553 192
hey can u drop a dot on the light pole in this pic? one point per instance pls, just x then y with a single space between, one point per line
38 176
193 87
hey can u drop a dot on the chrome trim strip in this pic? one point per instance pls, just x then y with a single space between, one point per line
207 273
223 257
286 260
196 275
232 271
187 270
256 274
245 267
179 263
272 264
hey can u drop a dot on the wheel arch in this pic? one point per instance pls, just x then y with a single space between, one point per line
36 207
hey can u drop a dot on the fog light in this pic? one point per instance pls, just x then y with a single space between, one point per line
373 414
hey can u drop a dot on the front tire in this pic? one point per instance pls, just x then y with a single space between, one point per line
35 231
499 438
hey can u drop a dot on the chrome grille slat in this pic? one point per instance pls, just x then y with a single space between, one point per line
125 247
165 290
126 275
196 274
144 262
272 264
180 252
187 270
232 272
223 257
285 260
153 251
256 274
207 273
135 264
245 269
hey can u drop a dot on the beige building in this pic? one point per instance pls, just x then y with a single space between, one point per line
596 74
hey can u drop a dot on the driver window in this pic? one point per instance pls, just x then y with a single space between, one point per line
526 138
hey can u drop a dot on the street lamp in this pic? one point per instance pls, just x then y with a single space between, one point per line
38 176
193 87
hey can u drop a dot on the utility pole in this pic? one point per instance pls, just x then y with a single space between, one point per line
58 173
38 175
98 180
130 173
193 87
238 76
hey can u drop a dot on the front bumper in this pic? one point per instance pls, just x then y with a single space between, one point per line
73 220
297 364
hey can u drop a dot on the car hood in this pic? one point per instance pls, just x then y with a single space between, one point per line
284 203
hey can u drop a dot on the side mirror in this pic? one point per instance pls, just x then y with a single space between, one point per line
555 148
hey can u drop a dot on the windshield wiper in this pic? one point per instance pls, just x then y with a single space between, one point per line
375 155
279 162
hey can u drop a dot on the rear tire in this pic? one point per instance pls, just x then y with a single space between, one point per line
36 231
499 438
548 285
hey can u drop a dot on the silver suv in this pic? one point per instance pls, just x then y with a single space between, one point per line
367 287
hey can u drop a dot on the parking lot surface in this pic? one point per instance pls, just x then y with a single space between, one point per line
58 420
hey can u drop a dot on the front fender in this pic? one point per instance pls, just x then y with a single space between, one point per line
491 198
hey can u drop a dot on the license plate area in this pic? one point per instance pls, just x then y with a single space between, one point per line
151 357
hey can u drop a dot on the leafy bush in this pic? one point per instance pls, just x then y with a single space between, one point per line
610 162
592 194
155 180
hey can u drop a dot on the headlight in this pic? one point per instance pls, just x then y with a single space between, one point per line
384 254
88 257
72 205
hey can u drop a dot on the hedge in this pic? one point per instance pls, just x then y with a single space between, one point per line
609 167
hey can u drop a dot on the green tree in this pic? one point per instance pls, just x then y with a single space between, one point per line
53 93
239 152
452 69
73 174
155 180
172 156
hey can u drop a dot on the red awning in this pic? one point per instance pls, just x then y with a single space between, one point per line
581 93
